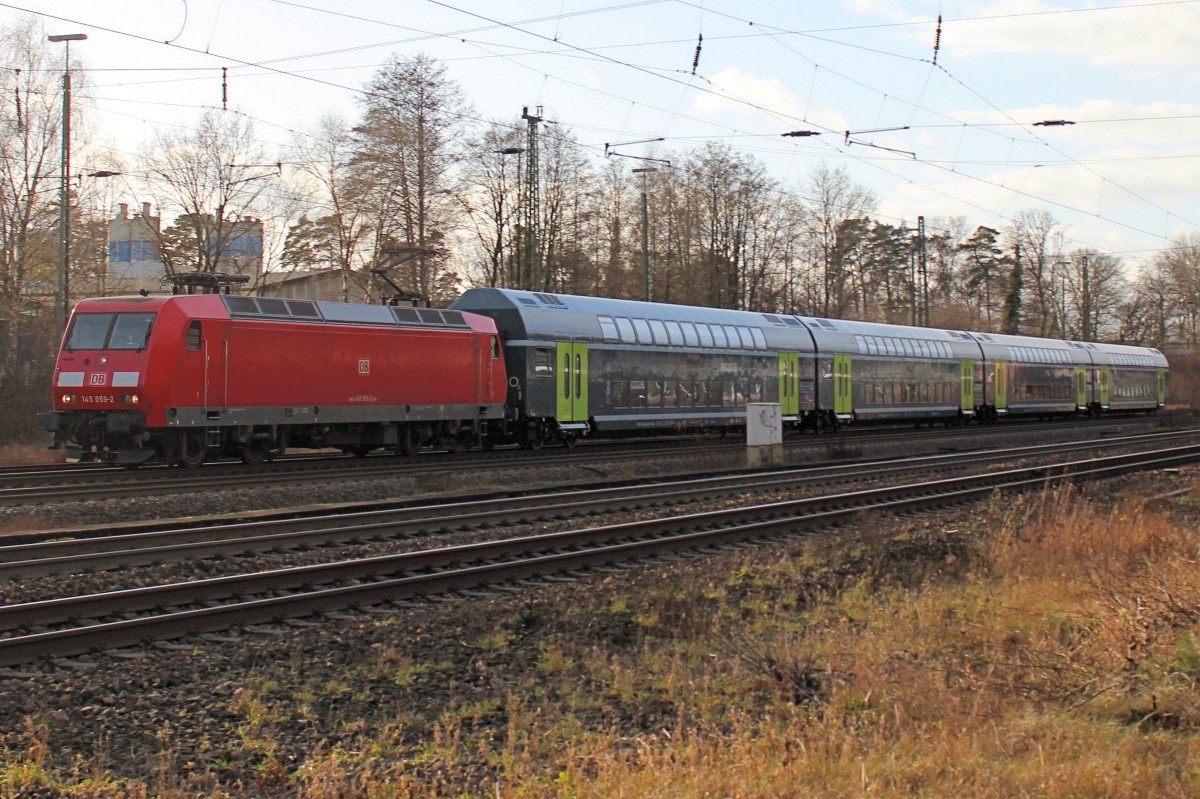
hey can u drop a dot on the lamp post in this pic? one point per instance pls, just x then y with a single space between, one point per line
514 263
1062 283
643 171
62 298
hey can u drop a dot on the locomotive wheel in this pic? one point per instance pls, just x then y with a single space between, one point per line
192 450
255 453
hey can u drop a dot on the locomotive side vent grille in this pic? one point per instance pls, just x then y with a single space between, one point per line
272 306
340 312
305 309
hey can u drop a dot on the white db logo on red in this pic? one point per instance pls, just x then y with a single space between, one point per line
98 379
364 366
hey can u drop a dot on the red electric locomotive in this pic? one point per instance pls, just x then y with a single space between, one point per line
187 377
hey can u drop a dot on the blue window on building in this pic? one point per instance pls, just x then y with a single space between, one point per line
123 252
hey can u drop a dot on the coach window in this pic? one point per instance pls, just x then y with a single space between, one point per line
655 394
608 328
191 341
706 337
675 333
718 334
712 393
626 328
637 390
659 331
690 336
760 341
643 331
543 363
620 394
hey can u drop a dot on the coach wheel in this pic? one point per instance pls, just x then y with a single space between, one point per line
192 449
568 440
535 436
256 452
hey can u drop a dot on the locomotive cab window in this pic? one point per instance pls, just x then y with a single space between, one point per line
123 331
131 331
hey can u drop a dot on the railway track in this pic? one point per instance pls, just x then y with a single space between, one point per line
76 625
144 543
81 482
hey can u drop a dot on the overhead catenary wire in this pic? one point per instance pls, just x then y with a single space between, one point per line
832 152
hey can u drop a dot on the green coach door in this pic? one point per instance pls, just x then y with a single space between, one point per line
572 374
843 402
1162 386
1081 386
789 383
1104 387
966 386
1001 386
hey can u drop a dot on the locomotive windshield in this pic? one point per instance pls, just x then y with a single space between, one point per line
109 331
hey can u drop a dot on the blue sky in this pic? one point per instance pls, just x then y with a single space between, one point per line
955 138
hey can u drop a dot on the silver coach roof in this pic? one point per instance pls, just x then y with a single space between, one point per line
1031 349
880 338
545 316
1126 355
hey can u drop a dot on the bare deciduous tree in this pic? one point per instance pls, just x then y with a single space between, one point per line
211 177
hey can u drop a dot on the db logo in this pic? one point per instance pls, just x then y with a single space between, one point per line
364 366
98 379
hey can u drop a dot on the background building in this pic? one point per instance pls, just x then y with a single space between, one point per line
133 252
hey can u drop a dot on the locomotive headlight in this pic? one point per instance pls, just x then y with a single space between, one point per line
67 399
131 399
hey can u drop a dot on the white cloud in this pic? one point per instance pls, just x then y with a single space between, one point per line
746 95
739 91
1135 34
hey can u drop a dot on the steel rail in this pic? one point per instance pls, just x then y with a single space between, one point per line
407 575
24 485
67 552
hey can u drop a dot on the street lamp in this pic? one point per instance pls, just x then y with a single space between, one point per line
1062 285
62 298
518 248
643 171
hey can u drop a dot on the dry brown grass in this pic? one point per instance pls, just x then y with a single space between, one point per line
1048 648
1057 659
21 454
